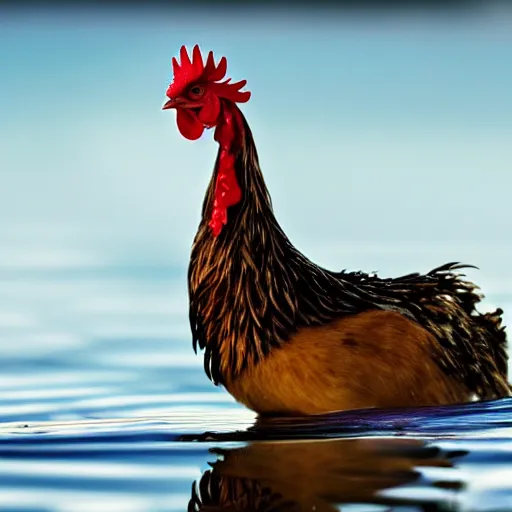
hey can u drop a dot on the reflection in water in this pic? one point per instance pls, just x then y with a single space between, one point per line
318 475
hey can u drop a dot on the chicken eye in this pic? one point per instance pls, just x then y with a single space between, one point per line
197 90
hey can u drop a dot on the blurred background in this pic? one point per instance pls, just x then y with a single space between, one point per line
385 136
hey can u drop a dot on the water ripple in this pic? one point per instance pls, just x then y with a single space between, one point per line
104 406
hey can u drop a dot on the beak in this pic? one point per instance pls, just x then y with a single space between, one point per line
171 104
181 103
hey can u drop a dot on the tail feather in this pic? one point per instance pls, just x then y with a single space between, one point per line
490 327
473 345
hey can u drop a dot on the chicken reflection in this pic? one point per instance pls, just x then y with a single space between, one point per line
317 475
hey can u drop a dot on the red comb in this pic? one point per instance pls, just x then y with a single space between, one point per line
192 71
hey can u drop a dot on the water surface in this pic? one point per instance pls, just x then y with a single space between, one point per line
104 406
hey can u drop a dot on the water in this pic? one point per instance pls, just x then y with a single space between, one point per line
104 406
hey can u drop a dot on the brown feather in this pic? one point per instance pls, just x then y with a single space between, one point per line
252 292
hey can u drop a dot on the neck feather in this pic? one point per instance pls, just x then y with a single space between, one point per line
249 288
231 286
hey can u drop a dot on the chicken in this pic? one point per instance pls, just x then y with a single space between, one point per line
287 337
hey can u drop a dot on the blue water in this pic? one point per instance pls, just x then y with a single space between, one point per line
104 406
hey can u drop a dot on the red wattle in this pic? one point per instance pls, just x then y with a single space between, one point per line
227 190
227 193
188 124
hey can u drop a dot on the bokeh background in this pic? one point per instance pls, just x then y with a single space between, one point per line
385 138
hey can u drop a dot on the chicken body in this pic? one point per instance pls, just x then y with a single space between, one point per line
373 359
286 336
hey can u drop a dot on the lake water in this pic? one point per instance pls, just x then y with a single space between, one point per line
104 406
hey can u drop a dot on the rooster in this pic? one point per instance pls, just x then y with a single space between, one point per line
287 337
